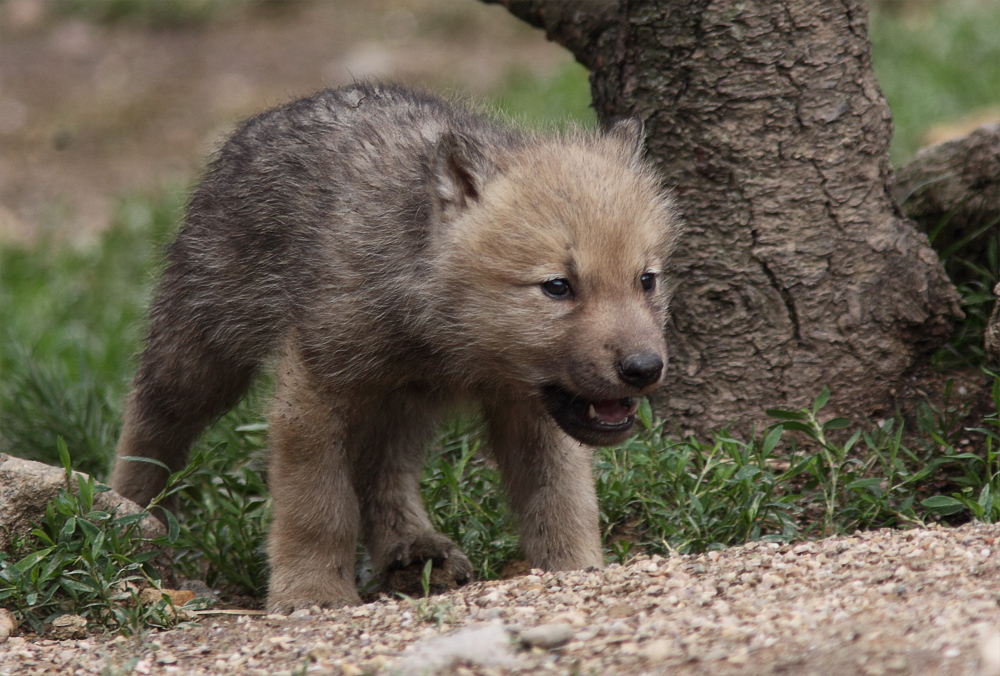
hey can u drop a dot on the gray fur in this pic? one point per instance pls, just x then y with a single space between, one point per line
390 248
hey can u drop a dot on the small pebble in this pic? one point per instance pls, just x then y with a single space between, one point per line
548 635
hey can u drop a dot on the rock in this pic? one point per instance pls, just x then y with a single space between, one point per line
152 595
68 626
8 624
548 635
989 651
577 620
26 487
659 650
485 645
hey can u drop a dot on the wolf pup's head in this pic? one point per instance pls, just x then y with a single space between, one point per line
552 255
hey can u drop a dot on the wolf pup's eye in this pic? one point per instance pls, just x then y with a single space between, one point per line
558 288
648 281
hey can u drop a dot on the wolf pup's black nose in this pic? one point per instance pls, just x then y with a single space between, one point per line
640 370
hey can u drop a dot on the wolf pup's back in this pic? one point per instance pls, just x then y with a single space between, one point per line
400 255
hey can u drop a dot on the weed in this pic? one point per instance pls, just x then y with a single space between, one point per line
883 484
72 317
438 611
690 496
976 477
832 462
226 511
83 561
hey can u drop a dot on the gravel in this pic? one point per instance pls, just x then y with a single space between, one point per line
881 603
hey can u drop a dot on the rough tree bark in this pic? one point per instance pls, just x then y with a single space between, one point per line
958 183
797 269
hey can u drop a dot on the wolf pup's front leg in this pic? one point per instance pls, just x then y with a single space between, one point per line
549 479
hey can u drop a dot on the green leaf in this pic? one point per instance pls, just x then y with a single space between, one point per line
821 399
646 414
32 559
771 440
97 542
864 483
85 586
984 497
853 440
799 427
746 472
64 457
837 424
86 491
67 530
964 456
425 577
90 531
173 527
943 504
136 458
782 414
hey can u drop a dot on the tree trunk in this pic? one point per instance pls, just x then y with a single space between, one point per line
797 269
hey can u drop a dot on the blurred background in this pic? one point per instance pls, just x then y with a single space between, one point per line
103 98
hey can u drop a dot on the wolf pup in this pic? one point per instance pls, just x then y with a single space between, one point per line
400 255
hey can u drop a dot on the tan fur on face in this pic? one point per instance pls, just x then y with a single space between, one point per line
573 210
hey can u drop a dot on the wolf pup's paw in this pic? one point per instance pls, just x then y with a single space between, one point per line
450 569
295 590
283 606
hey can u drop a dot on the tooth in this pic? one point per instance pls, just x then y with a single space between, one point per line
591 413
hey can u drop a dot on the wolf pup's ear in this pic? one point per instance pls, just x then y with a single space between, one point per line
630 133
461 171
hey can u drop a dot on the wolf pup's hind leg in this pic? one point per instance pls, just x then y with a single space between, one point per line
186 380
182 385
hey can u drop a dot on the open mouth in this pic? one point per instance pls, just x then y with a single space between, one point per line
593 422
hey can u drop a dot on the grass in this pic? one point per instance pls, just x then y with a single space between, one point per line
73 320
73 317
974 266
154 13
936 62
562 99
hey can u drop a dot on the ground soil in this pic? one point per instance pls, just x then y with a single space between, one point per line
873 604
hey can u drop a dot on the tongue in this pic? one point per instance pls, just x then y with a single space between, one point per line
613 411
